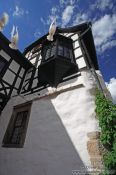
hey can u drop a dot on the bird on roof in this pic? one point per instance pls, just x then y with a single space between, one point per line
3 21
14 38
52 30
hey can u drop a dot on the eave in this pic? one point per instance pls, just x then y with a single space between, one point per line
87 39
15 54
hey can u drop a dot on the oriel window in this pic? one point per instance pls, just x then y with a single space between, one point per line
58 60
65 50
60 47
49 51
16 131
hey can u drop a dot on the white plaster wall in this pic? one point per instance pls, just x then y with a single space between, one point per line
56 140
9 77
76 44
18 82
5 55
33 60
78 52
81 62
74 37
14 66
28 75
22 72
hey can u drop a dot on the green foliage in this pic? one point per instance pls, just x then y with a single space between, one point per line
110 158
106 114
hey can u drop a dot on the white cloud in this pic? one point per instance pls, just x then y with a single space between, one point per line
108 45
62 12
80 18
62 2
37 34
54 13
112 88
103 31
54 10
67 14
43 21
66 2
102 5
51 18
18 12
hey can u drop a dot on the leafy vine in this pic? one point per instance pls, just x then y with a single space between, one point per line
106 114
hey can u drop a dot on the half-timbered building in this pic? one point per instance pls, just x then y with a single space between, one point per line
47 104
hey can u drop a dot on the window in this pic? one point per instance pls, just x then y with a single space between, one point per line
60 50
61 47
65 49
49 51
58 60
66 52
16 131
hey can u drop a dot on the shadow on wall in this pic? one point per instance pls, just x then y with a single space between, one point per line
52 146
48 149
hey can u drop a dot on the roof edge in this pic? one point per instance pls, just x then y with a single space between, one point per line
76 28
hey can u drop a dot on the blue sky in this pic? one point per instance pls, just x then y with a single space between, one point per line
34 17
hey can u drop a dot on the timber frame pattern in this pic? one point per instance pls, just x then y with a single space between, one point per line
31 59
10 57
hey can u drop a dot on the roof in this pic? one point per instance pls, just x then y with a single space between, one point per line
87 38
15 54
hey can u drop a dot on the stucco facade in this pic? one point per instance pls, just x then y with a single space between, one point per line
60 120
56 139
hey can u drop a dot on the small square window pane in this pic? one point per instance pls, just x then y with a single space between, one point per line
60 50
47 54
66 52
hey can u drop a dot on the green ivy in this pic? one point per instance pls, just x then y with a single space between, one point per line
106 114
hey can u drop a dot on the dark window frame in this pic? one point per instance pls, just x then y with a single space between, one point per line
67 49
61 47
7 140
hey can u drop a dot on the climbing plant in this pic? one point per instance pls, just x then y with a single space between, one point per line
106 114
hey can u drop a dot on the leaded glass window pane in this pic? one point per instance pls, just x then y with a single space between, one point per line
60 50
66 52
47 53
53 49
16 131
19 127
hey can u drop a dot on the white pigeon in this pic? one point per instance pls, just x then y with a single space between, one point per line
14 38
52 30
3 21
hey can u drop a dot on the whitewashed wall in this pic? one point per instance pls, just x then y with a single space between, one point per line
56 140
